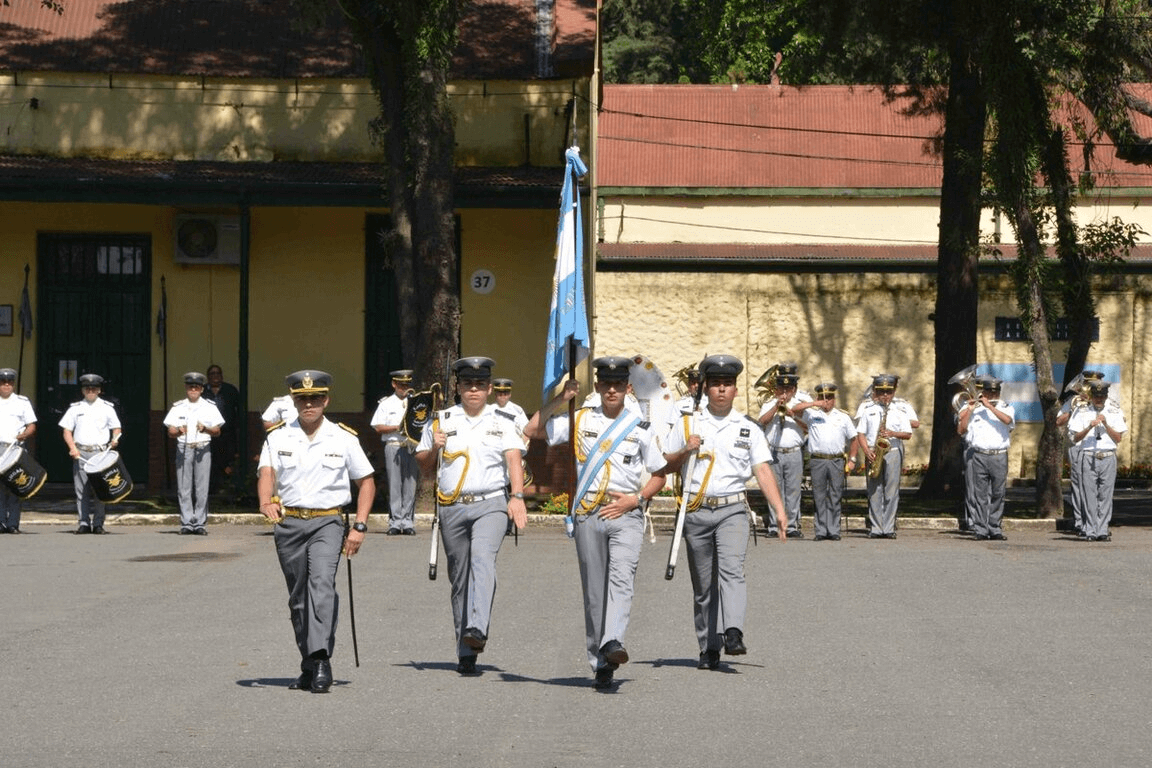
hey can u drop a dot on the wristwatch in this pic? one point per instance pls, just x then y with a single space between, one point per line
360 527
518 495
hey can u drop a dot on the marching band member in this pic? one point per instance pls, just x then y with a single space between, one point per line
880 435
732 450
480 460
986 424
831 440
1097 429
91 426
786 436
400 465
194 421
1079 386
17 424
614 449
306 470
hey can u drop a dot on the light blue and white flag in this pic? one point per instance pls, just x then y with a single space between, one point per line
569 318
1020 390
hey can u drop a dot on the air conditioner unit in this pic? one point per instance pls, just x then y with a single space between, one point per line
206 239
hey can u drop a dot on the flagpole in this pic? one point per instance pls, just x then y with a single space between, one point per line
572 506
23 332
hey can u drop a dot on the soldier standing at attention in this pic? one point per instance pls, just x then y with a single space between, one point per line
400 463
614 448
193 421
831 440
87 424
880 435
17 424
731 451
305 475
480 462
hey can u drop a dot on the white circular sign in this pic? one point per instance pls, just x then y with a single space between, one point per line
482 281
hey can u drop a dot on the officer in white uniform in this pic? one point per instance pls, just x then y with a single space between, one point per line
831 453
480 454
1066 409
193 421
280 409
305 474
17 424
986 424
881 419
615 450
1097 430
731 450
400 464
90 426
786 437
502 393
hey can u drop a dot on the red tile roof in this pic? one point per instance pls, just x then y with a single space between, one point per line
781 137
255 38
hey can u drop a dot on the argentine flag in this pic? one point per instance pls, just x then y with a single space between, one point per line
568 318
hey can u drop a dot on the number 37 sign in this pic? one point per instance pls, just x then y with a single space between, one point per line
482 281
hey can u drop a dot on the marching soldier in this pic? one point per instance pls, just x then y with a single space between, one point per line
17 424
831 440
400 464
614 449
731 450
305 474
986 424
1097 429
880 435
480 455
193 421
786 435
87 425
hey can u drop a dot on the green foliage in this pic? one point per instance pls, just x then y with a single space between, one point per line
557 504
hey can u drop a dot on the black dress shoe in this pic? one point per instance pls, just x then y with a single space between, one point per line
604 677
734 642
709 659
466 665
614 652
997 537
795 534
3 529
200 532
185 532
875 535
83 528
14 530
99 530
474 639
409 531
322 676
393 531
834 537
304 682
980 537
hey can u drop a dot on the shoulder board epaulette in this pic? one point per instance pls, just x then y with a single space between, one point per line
177 403
22 397
79 402
383 399
751 419
276 426
505 414
645 425
347 428
844 412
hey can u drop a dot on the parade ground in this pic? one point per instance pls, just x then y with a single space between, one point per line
145 648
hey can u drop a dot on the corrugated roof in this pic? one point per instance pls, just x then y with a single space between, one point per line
256 38
781 137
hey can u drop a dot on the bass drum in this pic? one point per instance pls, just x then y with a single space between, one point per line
652 391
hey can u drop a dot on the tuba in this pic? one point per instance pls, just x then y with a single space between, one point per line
683 382
766 385
883 445
967 380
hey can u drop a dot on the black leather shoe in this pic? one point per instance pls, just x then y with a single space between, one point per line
304 682
200 532
980 537
322 676
83 528
474 639
709 660
795 534
997 537
14 530
3 529
875 535
393 531
409 531
834 537
466 665
614 652
604 677
185 532
99 530
734 642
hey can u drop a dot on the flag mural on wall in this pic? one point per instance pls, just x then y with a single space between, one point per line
1020 385
568 321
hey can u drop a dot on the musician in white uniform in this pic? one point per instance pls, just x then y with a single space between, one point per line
731 450
881 420
615 450
193 421
786 437
502 394
480 455
1097 429
17 424
986 424
831 452
90 426
306 470
399 462
1066 408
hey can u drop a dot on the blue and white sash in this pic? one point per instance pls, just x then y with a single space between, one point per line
607 442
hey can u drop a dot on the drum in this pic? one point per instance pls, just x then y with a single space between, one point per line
20 473
109 477
651 389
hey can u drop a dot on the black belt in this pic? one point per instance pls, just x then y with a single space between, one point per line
991 451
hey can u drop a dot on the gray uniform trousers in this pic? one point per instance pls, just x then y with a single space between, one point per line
827 491
193 472
717 541
402 471
9 508
472 535
789 471
309 552
1077 493
88 507
1098 477
985 477
608 552
884 491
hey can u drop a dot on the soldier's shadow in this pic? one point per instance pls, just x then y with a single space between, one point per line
483 670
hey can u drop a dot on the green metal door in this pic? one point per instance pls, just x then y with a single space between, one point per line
94 316
381 323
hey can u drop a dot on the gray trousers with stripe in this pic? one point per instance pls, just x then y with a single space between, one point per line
608 552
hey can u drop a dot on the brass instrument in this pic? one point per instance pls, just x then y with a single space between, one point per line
969 392
765 386
683 380
883 445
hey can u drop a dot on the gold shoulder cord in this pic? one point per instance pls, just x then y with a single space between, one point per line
693 502
582 456
450 457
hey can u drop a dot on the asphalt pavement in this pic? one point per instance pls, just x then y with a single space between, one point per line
145 648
